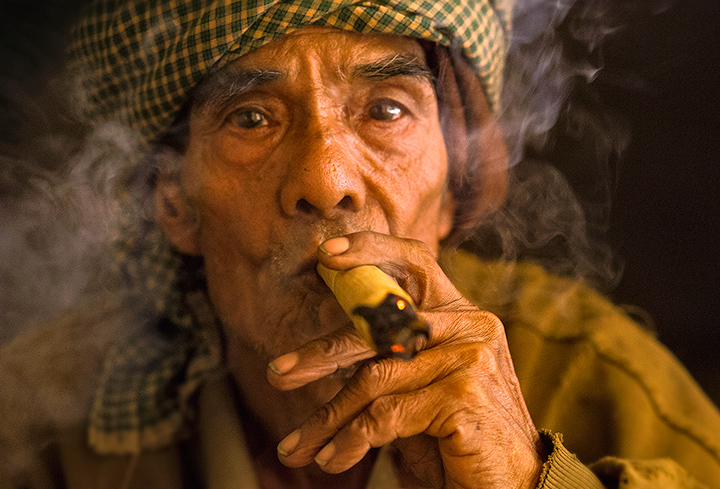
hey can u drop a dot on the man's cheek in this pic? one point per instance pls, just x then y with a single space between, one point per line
419 163
234 293
230 222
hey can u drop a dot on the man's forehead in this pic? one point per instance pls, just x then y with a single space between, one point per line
347 55
345 48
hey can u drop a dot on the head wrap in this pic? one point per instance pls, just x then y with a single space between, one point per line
138 60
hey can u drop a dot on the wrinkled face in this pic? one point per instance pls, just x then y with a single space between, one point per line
315 135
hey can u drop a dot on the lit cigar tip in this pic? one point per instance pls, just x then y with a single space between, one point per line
397 348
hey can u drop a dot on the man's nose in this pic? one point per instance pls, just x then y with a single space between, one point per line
324 179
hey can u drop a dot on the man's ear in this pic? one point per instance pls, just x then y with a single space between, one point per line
174 215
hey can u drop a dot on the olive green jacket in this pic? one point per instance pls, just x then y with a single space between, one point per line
588 371
623 404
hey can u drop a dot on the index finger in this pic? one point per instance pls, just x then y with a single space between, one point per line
335 353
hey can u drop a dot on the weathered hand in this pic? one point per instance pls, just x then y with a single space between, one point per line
455 411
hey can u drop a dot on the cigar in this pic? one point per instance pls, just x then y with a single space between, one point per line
381 311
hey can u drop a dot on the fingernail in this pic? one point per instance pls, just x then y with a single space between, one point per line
335 246
289 443
283 364
325 454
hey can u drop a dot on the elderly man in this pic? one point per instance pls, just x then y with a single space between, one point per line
281 135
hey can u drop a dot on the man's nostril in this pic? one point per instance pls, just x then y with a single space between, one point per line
346 203
304 207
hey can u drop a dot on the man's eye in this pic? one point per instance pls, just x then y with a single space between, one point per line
386 110
249 119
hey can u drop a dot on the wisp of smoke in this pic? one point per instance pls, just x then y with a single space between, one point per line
556 52
57 230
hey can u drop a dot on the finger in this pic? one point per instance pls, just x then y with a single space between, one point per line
464 325
373 380
344 348
410 262
468 436
386 419
319 358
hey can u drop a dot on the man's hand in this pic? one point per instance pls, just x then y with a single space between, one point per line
455 411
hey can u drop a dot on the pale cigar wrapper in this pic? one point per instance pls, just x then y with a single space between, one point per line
365 285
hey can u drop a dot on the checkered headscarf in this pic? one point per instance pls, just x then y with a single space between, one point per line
137 61
139 58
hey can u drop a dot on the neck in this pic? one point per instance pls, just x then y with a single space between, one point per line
269 415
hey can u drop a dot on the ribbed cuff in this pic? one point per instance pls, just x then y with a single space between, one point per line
563 469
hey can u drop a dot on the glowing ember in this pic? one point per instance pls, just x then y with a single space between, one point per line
401 304
397 348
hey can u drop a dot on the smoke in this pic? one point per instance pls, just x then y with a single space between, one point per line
565 145
59 212
557 49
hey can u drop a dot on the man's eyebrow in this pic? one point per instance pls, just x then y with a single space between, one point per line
391 66
223 86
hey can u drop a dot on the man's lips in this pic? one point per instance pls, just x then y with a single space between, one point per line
307 266
307 273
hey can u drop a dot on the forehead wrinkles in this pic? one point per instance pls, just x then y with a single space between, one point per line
223 86
331 55
371 60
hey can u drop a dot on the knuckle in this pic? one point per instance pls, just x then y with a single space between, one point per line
340 342
419 246
382 410
492 319
459 424
373 422
326 415
478 354
362 427
488 325
373 377
326 346
420 251
367 378
379 372
464 428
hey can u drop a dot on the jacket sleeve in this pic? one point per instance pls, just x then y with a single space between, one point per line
563 470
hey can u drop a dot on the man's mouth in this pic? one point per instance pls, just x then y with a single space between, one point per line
308 275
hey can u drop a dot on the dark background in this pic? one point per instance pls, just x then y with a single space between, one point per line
660 81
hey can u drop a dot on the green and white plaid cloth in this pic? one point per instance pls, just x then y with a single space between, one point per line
137 61
138 58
